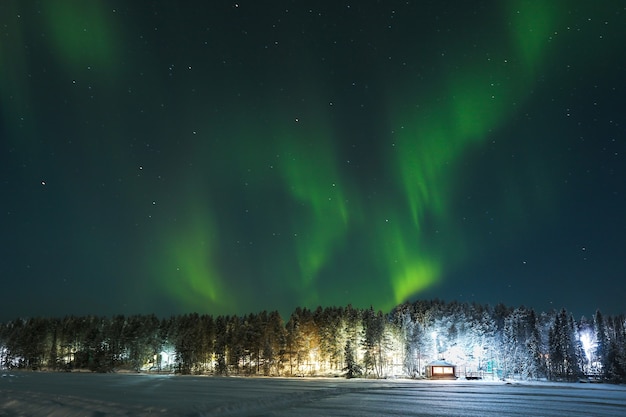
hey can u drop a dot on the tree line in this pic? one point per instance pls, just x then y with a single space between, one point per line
482 341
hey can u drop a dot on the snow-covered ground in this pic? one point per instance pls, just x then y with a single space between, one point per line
36 394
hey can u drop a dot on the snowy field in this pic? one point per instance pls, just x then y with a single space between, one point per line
33 394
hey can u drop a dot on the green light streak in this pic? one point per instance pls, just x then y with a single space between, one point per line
432 139
409 264
187 267
309 170
81 33
532 24
429 145
77 35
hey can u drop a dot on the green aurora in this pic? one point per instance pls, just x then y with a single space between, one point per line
231 182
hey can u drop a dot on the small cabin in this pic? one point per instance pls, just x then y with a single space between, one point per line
440 370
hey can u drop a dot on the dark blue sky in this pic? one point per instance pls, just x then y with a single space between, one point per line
160 157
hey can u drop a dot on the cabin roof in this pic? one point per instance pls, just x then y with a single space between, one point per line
440 363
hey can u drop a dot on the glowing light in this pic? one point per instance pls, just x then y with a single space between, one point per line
309 170
409 264
532 24
589 344
188 267
434 138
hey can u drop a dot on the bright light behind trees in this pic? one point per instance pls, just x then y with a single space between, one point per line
589 345
478 342
589 342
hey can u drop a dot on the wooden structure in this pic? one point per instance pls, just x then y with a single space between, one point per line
440 370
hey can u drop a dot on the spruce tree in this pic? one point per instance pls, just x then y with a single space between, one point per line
352 368
602 344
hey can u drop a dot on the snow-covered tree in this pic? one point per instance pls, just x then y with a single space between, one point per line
565 350
352 368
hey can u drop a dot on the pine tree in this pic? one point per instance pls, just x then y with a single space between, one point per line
221 360
352 368
565 349
602 344
535 365
616 352
372 334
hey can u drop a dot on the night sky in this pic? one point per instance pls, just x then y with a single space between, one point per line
230 157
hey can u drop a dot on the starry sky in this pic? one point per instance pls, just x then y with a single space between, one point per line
229 157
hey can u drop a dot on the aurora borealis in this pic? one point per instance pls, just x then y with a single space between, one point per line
230 157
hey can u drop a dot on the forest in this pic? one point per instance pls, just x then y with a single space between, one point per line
481 341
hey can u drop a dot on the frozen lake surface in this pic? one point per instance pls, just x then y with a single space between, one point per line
35 394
